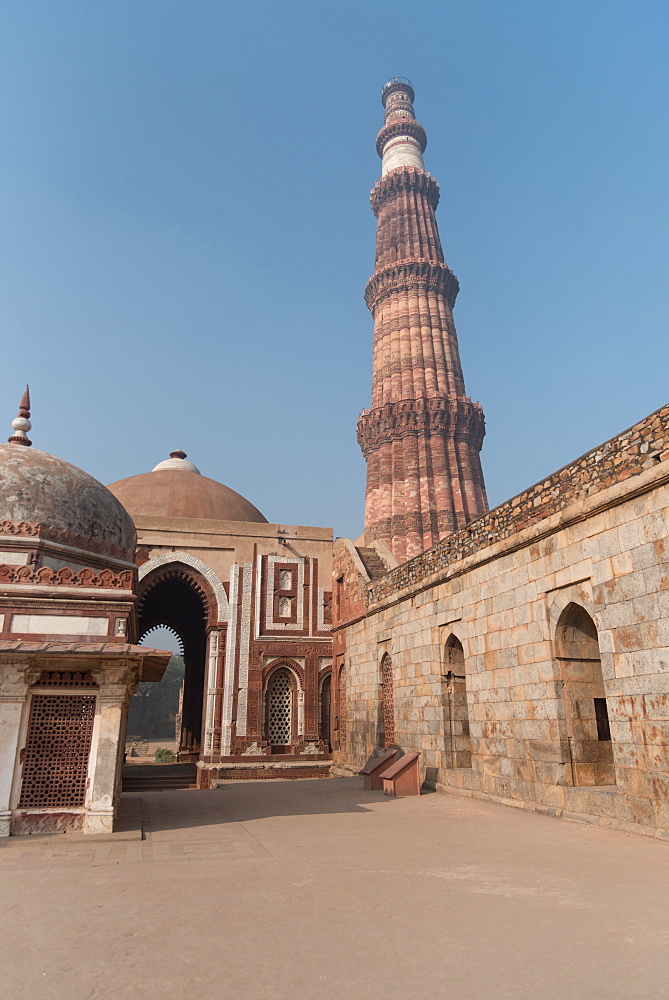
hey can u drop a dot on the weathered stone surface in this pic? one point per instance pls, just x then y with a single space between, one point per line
538 684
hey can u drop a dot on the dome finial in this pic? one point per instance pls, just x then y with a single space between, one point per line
177 461
21 424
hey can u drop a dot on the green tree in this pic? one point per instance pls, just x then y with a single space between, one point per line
154 707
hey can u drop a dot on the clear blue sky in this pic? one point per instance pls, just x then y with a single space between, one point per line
186 232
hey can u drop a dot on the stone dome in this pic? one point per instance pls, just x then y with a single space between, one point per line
39 488
175 488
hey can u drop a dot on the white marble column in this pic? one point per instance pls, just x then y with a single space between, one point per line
117 685
212 668
13 694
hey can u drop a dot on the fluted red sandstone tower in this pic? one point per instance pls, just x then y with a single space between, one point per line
422 436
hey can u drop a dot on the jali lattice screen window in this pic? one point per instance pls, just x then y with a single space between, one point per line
58 744
280 709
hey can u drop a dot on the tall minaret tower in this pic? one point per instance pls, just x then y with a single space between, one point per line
422 436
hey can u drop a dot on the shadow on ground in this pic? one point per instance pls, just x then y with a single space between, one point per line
243 801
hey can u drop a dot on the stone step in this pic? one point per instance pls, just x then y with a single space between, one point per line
372 562
156 786
156 777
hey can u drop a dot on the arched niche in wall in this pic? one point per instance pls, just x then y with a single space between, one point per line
387 702
457 743
586 708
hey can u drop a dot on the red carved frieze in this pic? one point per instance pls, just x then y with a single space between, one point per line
66 577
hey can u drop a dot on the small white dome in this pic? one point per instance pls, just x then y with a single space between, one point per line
177 460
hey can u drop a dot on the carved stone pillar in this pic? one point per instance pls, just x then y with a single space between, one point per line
118 683
14 684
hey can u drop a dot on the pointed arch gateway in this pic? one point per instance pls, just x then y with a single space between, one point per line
218 597
175 594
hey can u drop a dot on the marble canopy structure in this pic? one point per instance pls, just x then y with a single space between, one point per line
68 659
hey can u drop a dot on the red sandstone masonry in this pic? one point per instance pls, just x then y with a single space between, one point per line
422 436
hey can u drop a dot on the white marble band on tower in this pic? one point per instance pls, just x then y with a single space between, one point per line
402 139
401 152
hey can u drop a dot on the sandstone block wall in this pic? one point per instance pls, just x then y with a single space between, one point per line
538 696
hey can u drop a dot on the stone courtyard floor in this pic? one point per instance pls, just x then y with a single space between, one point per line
318 889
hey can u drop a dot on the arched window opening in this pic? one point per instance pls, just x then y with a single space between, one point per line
280 710
456 710
586 709
387 702
325 714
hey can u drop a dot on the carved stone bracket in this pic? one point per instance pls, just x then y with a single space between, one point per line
430 275
406 126
404 179
452 417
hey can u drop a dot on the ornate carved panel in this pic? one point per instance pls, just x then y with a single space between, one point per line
58 744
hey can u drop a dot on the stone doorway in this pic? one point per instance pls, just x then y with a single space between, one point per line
175 598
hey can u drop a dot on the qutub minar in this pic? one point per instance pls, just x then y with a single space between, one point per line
422 435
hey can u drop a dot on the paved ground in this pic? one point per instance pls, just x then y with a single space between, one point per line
146 749
317 889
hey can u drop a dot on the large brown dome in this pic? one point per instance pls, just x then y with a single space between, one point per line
39 488
178 492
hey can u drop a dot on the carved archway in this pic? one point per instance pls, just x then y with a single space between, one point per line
175 595
219 605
